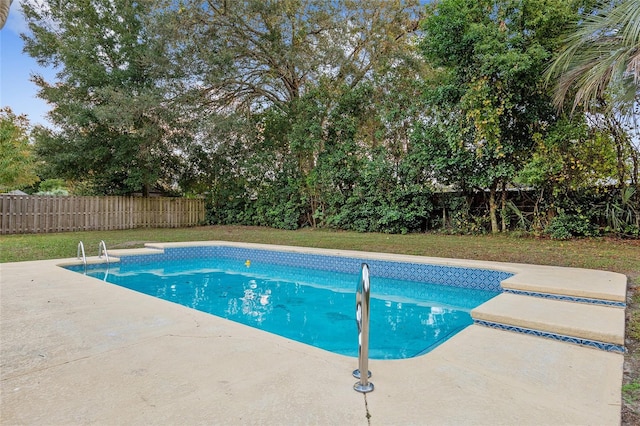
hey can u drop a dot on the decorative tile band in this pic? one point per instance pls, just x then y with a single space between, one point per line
567 298
479 279
609 347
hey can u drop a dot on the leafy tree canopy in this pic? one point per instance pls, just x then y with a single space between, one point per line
115 119
491 55
256 54
17 161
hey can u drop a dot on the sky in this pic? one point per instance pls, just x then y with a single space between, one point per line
16 68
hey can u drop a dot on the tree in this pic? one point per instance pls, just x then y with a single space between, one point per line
491 55
257 54
284 67
601 58
17 162
599 68
116 122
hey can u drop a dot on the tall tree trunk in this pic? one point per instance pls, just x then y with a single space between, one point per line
621 140
503 206
493 208
444 217
537 224
311 215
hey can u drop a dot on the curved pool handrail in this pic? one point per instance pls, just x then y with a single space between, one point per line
362 318
102 249
83 257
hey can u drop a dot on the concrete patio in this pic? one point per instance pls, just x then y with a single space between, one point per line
76 350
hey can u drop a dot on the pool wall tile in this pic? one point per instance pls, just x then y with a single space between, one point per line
479 279
609 347
142 259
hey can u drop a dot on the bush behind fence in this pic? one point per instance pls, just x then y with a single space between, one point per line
23 214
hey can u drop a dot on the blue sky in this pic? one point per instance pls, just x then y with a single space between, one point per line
16 68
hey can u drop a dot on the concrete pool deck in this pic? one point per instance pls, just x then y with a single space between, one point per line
75 350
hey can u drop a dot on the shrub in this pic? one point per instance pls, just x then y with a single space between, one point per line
566 226
53 187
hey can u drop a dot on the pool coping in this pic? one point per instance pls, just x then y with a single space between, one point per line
498 376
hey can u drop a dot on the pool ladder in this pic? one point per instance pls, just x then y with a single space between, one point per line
362 318
102 250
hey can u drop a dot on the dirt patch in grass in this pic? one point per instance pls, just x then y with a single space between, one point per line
128 245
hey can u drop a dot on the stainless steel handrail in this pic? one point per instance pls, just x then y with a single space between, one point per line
362 318
84 257
102 248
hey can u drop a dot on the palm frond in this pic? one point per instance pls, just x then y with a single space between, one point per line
604 51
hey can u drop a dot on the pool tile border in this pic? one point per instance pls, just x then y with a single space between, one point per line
608 347
567 298
453 276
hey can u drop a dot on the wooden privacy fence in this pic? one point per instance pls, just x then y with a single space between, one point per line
23 214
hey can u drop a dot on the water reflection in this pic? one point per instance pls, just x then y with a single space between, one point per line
254 303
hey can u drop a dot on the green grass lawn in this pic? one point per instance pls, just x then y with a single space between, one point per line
621 256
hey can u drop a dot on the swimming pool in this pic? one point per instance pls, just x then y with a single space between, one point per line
311 298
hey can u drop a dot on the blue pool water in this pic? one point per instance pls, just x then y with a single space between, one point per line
310 305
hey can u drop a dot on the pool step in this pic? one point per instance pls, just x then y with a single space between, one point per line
135 251
570 282
562 320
